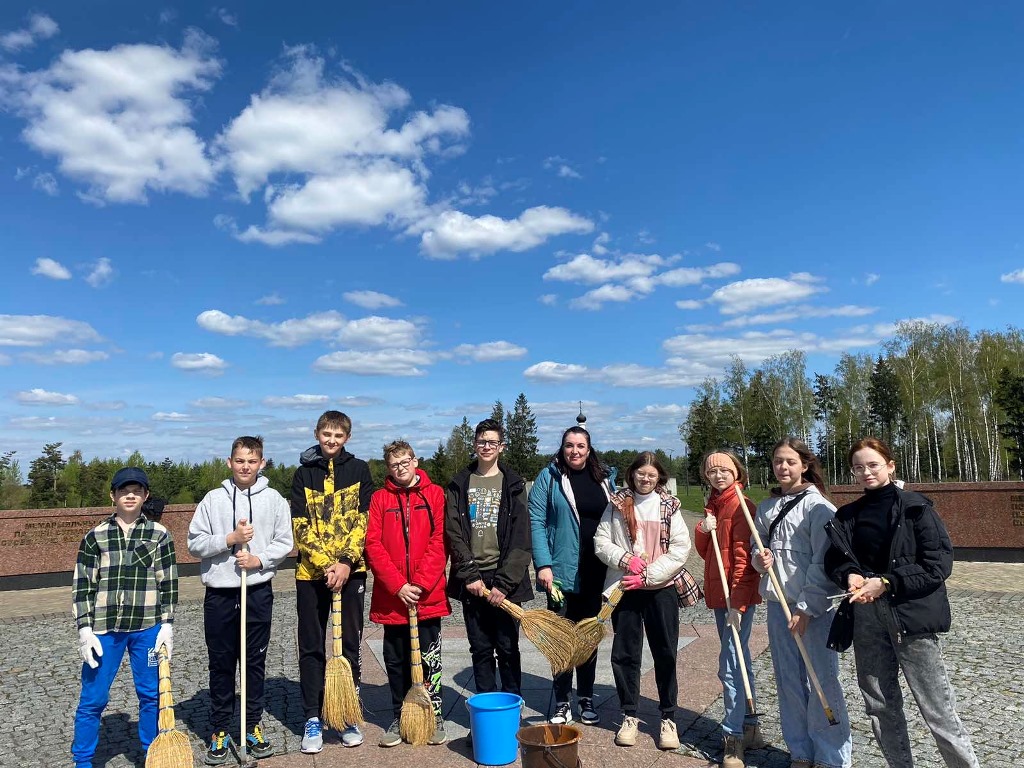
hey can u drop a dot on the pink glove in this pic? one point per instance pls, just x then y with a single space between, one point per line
632 581
636 564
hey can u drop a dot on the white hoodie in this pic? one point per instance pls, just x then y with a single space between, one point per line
217 515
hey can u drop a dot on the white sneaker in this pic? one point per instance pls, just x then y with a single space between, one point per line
626 735
312 737
351 736
669 738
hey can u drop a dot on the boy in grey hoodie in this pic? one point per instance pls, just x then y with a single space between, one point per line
241 524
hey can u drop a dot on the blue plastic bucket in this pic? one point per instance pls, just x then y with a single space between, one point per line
494 722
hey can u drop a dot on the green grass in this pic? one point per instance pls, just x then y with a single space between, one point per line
692 498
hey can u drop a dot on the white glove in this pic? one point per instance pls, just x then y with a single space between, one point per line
710 523
734 618
89 647
165 637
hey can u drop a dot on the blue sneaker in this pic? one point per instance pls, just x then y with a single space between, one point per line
312 737
256 743
220 744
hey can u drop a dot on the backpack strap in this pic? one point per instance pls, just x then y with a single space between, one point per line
785 511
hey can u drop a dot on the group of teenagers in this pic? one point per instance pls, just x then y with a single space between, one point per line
473 542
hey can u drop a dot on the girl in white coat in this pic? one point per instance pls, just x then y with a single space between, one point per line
644 541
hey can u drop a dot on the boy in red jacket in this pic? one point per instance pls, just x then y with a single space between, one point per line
406 553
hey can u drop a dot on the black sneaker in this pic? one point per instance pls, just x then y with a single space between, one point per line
220 744
562 714
255 743
588 715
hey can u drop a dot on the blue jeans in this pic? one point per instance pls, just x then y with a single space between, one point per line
879 661
96 689
733 694
804 725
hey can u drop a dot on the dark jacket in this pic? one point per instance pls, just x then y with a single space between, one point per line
515 551
329 528
920 561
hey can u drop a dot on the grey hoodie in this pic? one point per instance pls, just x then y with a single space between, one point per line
217 515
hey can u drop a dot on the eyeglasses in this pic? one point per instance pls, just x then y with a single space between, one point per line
487 443
862 469
403 464
646 476
718 471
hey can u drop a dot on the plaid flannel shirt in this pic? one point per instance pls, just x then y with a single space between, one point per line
125 583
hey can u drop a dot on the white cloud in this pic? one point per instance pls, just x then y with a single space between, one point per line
689 304
109 405
670 412
66 357
1017 276
716 351
555 372
5 359
712 246
490 351
355 401
561 167
871 278
173 416
548 299
600 246
596 298
39 27
199 362
798 312
102 273
40 330
288 333
42 397
567 172
683 276
119 120
270 300
52 269
46 182
380 333
587 270
218 403
454 232
677 374
385 362
745 295
370 299
297 401
226 16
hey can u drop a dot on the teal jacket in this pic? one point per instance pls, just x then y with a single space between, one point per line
555 525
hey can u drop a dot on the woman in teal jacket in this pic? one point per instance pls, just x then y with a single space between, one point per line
566 504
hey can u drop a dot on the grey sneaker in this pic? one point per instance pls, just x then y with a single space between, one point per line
562 715
352 736
588 715
626 735
440 734
312 737
392 736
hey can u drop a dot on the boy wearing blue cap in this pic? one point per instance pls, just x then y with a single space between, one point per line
125 589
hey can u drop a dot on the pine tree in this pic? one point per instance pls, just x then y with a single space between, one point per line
521 439
498 412
44 476
884 400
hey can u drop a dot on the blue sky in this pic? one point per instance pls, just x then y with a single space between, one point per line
224 219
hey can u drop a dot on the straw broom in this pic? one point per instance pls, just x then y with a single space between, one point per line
171 748
341 701
590 632
554 635
416 724
811 674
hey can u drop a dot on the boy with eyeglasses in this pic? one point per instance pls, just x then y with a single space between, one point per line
406 553
330 498
487 528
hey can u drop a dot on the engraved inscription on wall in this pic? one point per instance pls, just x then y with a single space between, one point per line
1017 509
37 533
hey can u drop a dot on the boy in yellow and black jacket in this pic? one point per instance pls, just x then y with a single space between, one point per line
330 498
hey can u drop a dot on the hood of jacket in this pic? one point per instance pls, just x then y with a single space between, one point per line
424 481
314 457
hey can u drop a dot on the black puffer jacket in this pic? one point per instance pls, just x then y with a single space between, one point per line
516 551
920 561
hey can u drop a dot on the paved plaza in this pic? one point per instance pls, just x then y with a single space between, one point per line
39 674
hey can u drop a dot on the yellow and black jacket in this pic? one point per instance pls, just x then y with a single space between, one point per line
330 500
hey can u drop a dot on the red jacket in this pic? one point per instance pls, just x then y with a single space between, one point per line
405 544
734 544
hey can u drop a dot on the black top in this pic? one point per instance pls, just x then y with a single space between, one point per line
591 503
872 535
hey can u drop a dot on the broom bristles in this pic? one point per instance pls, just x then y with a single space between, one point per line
417 722
341 702
171 748
589 634
554 636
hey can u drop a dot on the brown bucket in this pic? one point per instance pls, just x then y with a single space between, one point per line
549 746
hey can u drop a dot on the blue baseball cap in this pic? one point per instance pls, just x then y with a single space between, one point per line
127 476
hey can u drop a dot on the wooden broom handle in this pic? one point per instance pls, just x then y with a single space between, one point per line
414 647
735 632
336 625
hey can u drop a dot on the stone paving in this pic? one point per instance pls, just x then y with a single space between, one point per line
39 673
